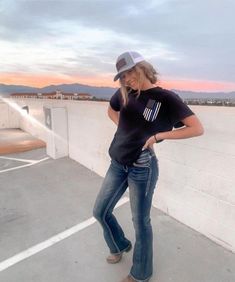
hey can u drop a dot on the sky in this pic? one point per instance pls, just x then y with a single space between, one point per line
190 43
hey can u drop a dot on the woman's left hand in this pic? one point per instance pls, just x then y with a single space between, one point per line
149 143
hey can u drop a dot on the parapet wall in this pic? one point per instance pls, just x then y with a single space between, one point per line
9 118
196 181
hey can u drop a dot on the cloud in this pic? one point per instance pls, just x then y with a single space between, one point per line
74 50
182 38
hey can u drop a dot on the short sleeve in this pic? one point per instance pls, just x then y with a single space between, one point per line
177 109
115 101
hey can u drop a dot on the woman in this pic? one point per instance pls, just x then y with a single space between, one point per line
144 114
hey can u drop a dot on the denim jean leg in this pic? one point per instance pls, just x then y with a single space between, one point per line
113 187
142 181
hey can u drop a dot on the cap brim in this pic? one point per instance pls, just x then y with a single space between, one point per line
117 76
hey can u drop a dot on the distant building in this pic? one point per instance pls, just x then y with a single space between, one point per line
83 96
54 95
51 95
24 95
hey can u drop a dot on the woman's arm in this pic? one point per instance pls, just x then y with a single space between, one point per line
193 127
113 115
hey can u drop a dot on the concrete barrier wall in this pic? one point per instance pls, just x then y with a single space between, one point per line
196 181
197 177
9 118
89 129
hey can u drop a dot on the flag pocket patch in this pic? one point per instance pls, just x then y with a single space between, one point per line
151 110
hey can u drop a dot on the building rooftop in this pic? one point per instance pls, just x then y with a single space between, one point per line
48 233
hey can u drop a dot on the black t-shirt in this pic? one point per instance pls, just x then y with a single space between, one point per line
155 110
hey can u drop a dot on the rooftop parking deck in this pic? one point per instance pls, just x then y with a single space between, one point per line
48 233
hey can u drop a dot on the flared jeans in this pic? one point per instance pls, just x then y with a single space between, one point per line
141 178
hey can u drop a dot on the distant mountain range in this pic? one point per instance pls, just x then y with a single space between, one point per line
99 92
104 92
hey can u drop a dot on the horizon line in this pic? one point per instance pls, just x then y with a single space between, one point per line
104 86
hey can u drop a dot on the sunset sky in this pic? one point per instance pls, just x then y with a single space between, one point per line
191 43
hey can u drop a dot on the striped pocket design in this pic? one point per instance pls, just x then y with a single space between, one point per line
151 110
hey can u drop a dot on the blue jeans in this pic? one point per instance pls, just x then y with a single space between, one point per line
141 177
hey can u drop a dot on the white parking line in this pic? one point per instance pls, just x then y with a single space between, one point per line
21 166
20 160
53 240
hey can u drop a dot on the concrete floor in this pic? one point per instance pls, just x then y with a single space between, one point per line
17 140
49 197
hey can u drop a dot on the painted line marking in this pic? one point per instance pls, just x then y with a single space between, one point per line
53 240
21 166
20 160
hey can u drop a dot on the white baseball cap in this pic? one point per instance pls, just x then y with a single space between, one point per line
127 61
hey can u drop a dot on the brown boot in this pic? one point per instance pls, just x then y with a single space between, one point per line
112 259
128 279
115 258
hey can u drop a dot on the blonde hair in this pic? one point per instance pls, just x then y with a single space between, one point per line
148 72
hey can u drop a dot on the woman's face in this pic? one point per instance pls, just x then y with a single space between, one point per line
130 78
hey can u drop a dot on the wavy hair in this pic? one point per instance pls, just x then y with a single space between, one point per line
148 72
